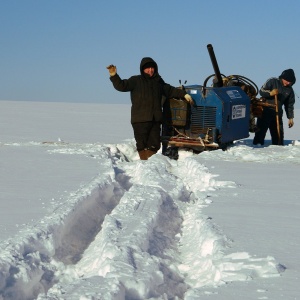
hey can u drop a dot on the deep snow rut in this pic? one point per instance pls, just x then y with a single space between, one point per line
146 229
140 231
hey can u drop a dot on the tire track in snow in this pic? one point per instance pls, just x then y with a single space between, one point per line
143 230
137 241
29 261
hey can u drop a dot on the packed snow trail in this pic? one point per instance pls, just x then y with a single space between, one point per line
136 231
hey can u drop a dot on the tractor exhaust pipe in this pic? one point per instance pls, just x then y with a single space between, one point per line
218 82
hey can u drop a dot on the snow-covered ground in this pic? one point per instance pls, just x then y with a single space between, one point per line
82 218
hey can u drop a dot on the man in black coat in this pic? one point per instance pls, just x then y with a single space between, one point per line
282 89
146 92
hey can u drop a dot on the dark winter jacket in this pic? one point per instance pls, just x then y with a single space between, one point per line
286 96
146 93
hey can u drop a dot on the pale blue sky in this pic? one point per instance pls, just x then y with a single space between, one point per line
57 50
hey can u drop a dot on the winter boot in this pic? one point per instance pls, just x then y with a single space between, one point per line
143 155
149 153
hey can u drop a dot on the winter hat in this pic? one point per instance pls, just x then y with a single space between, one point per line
288 75
149 64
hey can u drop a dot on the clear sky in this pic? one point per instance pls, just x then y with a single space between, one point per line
58 50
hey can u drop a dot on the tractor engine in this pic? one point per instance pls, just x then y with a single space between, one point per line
221 114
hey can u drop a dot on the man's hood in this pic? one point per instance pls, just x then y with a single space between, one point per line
148 60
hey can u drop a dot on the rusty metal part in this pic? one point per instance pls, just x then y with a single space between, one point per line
198 143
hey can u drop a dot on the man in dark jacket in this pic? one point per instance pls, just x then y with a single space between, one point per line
281 88
146 91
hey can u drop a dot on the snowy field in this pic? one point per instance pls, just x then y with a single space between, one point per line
82 218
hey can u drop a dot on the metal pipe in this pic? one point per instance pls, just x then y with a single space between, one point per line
218 82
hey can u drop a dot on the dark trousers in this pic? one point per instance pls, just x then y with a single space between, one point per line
268 121
147 135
